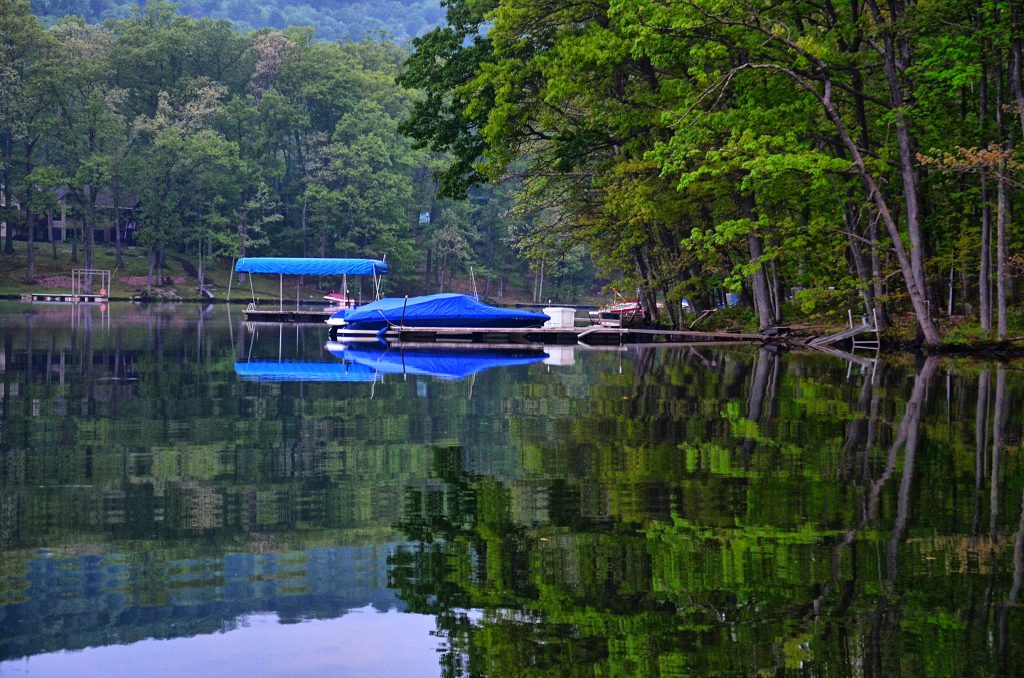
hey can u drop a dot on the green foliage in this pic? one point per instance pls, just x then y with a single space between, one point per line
228 144
696 147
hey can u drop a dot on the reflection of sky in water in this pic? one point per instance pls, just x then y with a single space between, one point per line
362 643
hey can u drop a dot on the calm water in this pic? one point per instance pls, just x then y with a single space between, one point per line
181 493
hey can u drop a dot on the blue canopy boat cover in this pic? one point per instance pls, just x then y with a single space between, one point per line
439 310
303 371
435 362
304 266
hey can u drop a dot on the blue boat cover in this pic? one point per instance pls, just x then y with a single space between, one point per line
440 363
304 371
304 266
439 310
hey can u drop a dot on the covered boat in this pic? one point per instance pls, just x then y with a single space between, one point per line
435 310
433 362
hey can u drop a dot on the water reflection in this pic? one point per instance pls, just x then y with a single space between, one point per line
699 510
443 363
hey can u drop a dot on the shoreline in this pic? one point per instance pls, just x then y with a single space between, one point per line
988 350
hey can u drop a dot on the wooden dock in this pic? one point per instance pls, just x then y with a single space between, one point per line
591 335
66 298
292 316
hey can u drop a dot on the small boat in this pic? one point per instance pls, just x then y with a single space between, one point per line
433 310
622 314
340 300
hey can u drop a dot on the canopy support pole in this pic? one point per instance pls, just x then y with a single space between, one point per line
280 297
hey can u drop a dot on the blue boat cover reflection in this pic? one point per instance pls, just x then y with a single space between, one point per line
303 371
434 362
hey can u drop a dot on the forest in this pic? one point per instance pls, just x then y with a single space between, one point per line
804 158
225 144
807 155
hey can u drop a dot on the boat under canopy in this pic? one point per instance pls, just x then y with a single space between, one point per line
283 266
438 310
305 266
434 362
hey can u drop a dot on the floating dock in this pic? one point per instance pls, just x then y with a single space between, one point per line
64 297
588 335
303 316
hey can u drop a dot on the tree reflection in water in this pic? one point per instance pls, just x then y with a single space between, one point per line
826 528
702 510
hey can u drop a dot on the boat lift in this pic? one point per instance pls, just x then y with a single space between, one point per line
282 266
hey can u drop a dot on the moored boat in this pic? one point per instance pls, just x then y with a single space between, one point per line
434 310
622 314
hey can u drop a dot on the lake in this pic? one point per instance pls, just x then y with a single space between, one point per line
185 493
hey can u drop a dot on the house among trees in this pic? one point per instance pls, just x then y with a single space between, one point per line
62 224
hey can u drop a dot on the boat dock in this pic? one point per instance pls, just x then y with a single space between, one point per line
587 335
65 297
285 315
82 280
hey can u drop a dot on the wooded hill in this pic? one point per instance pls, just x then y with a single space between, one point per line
195 138
331 19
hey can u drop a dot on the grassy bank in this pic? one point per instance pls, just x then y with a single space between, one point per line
175 281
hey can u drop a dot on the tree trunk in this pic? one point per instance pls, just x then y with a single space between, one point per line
119 259
860 264
984 274
896 60
30 271
305 211
918 296
759 286
200 275
985 263
49 230
540 284
243 236
648 299
908 172
8 212
759 282
1002 206
1002 210
1015 63
87 200
877 279
89 242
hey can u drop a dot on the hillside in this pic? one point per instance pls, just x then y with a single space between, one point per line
332 19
